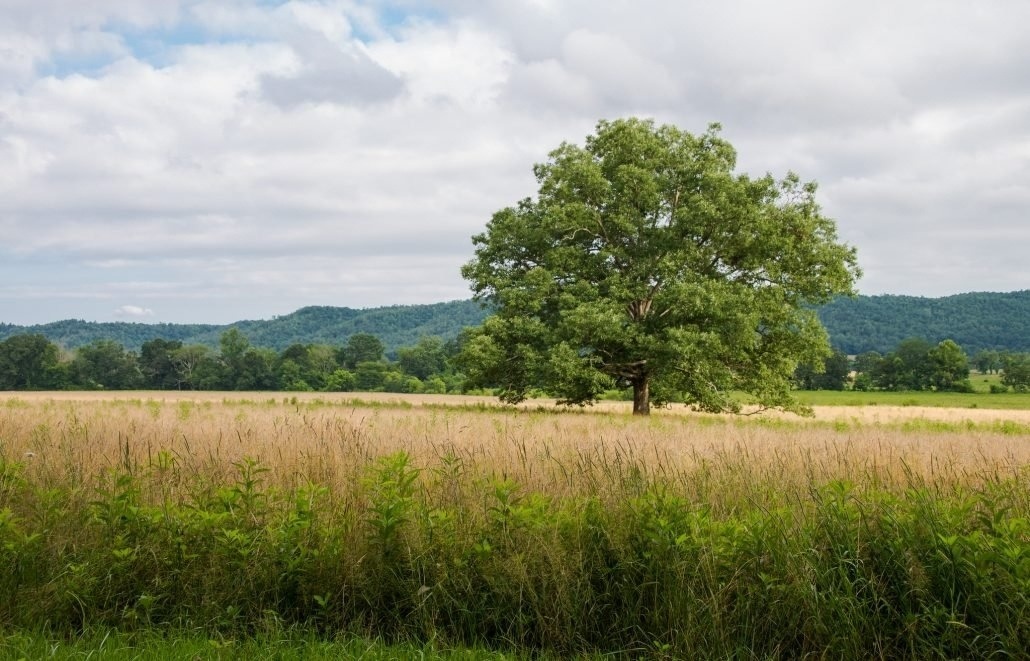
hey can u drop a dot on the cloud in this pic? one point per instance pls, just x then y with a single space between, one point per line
332 65
347 78
250 157
133 311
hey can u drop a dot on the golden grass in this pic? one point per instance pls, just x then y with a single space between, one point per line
868 414
530 529
332 439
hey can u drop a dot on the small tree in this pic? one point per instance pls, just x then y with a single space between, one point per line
646 262
157 363
340 381
105 364
1016 371
233 346
361 348
424 359
371 375
187 360
28 362
908 367
831 375
987 361
949 367
868 362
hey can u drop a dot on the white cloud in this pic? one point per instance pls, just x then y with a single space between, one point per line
133 311
320 152
459 64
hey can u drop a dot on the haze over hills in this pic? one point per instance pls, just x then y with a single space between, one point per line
981 320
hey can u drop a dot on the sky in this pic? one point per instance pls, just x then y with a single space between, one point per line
205 161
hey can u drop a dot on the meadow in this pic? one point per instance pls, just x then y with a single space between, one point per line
429 524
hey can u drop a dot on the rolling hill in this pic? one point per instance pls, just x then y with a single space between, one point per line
981 320
395 325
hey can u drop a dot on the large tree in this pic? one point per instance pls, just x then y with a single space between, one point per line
645 261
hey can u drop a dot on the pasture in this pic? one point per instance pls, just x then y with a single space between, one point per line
442 522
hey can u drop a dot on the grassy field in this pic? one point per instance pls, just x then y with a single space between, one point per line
171 520
983 400
980 398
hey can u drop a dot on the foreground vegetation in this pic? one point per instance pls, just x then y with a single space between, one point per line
156 644
437 528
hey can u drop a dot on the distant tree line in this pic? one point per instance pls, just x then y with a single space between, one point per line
431 365
31 362
916 364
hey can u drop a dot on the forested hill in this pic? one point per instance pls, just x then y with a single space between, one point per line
396 326
976 321
979 320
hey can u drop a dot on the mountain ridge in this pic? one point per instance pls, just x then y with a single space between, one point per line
976 320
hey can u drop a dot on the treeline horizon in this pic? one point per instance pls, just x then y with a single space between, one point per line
431 365
976 321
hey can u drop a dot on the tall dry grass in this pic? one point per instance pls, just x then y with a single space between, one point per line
327 442
572 532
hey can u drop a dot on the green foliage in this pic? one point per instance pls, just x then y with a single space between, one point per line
361 348
949 367
396 326
833 374
908 367
158 365
646 563
867 363
29 362
106 365
274 642
371 375
74 333
341 380
424 359
987 361
977 321
646 262
1016 368
193 366
916 365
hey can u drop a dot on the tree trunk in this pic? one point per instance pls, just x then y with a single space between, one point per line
641 397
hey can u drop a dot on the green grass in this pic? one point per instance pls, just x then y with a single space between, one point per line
656 562
982 400
159 645
983 382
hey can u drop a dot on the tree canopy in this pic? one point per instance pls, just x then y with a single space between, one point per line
645 261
